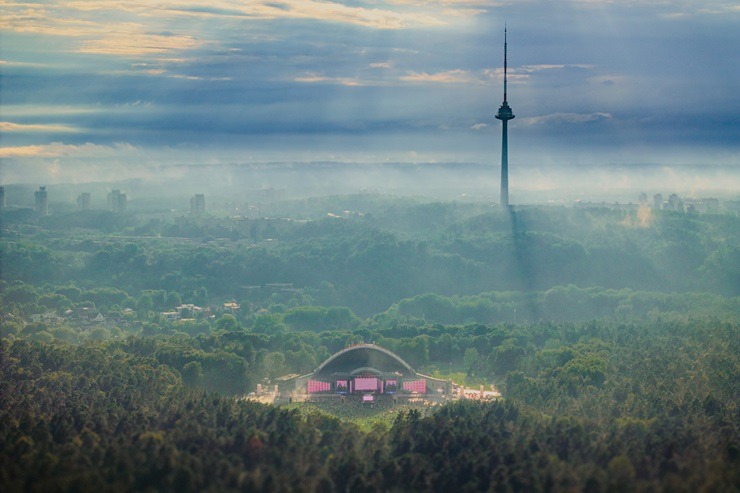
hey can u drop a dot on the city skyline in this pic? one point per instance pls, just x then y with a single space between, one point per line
99 90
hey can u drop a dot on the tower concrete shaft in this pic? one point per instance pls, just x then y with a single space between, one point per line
505 114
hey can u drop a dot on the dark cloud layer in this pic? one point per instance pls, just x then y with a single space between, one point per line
590 81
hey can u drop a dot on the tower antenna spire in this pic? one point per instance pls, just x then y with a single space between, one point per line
505 53
505 114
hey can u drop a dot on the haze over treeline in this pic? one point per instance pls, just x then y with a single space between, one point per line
375 250
173 185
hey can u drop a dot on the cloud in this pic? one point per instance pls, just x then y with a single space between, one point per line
513 75
13 64
464 5
313 78
196 77
551 66
59 149
51 128
62 17
157 71
23 110
98 36
558 118
128 40
448 77
340 13
324 11
523 73
456 76
608 80
293 76
177 31
24 18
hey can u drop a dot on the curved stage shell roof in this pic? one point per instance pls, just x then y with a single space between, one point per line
363 357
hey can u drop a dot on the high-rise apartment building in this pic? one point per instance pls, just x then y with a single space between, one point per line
198 204
84 201
117 201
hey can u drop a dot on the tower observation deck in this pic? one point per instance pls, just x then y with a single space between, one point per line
505 114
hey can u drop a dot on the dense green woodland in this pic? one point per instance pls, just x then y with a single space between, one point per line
589 407
370 261
613 336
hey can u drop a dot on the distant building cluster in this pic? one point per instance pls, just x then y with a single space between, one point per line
81 316
185 311
673 203
86 316
117 201
189 311
678 204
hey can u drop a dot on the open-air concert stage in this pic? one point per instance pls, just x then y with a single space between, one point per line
365 372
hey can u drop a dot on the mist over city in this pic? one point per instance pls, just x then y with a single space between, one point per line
369 245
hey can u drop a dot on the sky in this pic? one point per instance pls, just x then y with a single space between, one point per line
94 90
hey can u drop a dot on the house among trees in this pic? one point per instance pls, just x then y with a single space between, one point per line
171 316
188 310
48 318
231 307
184 311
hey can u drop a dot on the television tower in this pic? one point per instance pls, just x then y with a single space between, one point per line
505 114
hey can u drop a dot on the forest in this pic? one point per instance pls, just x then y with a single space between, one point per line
128 341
